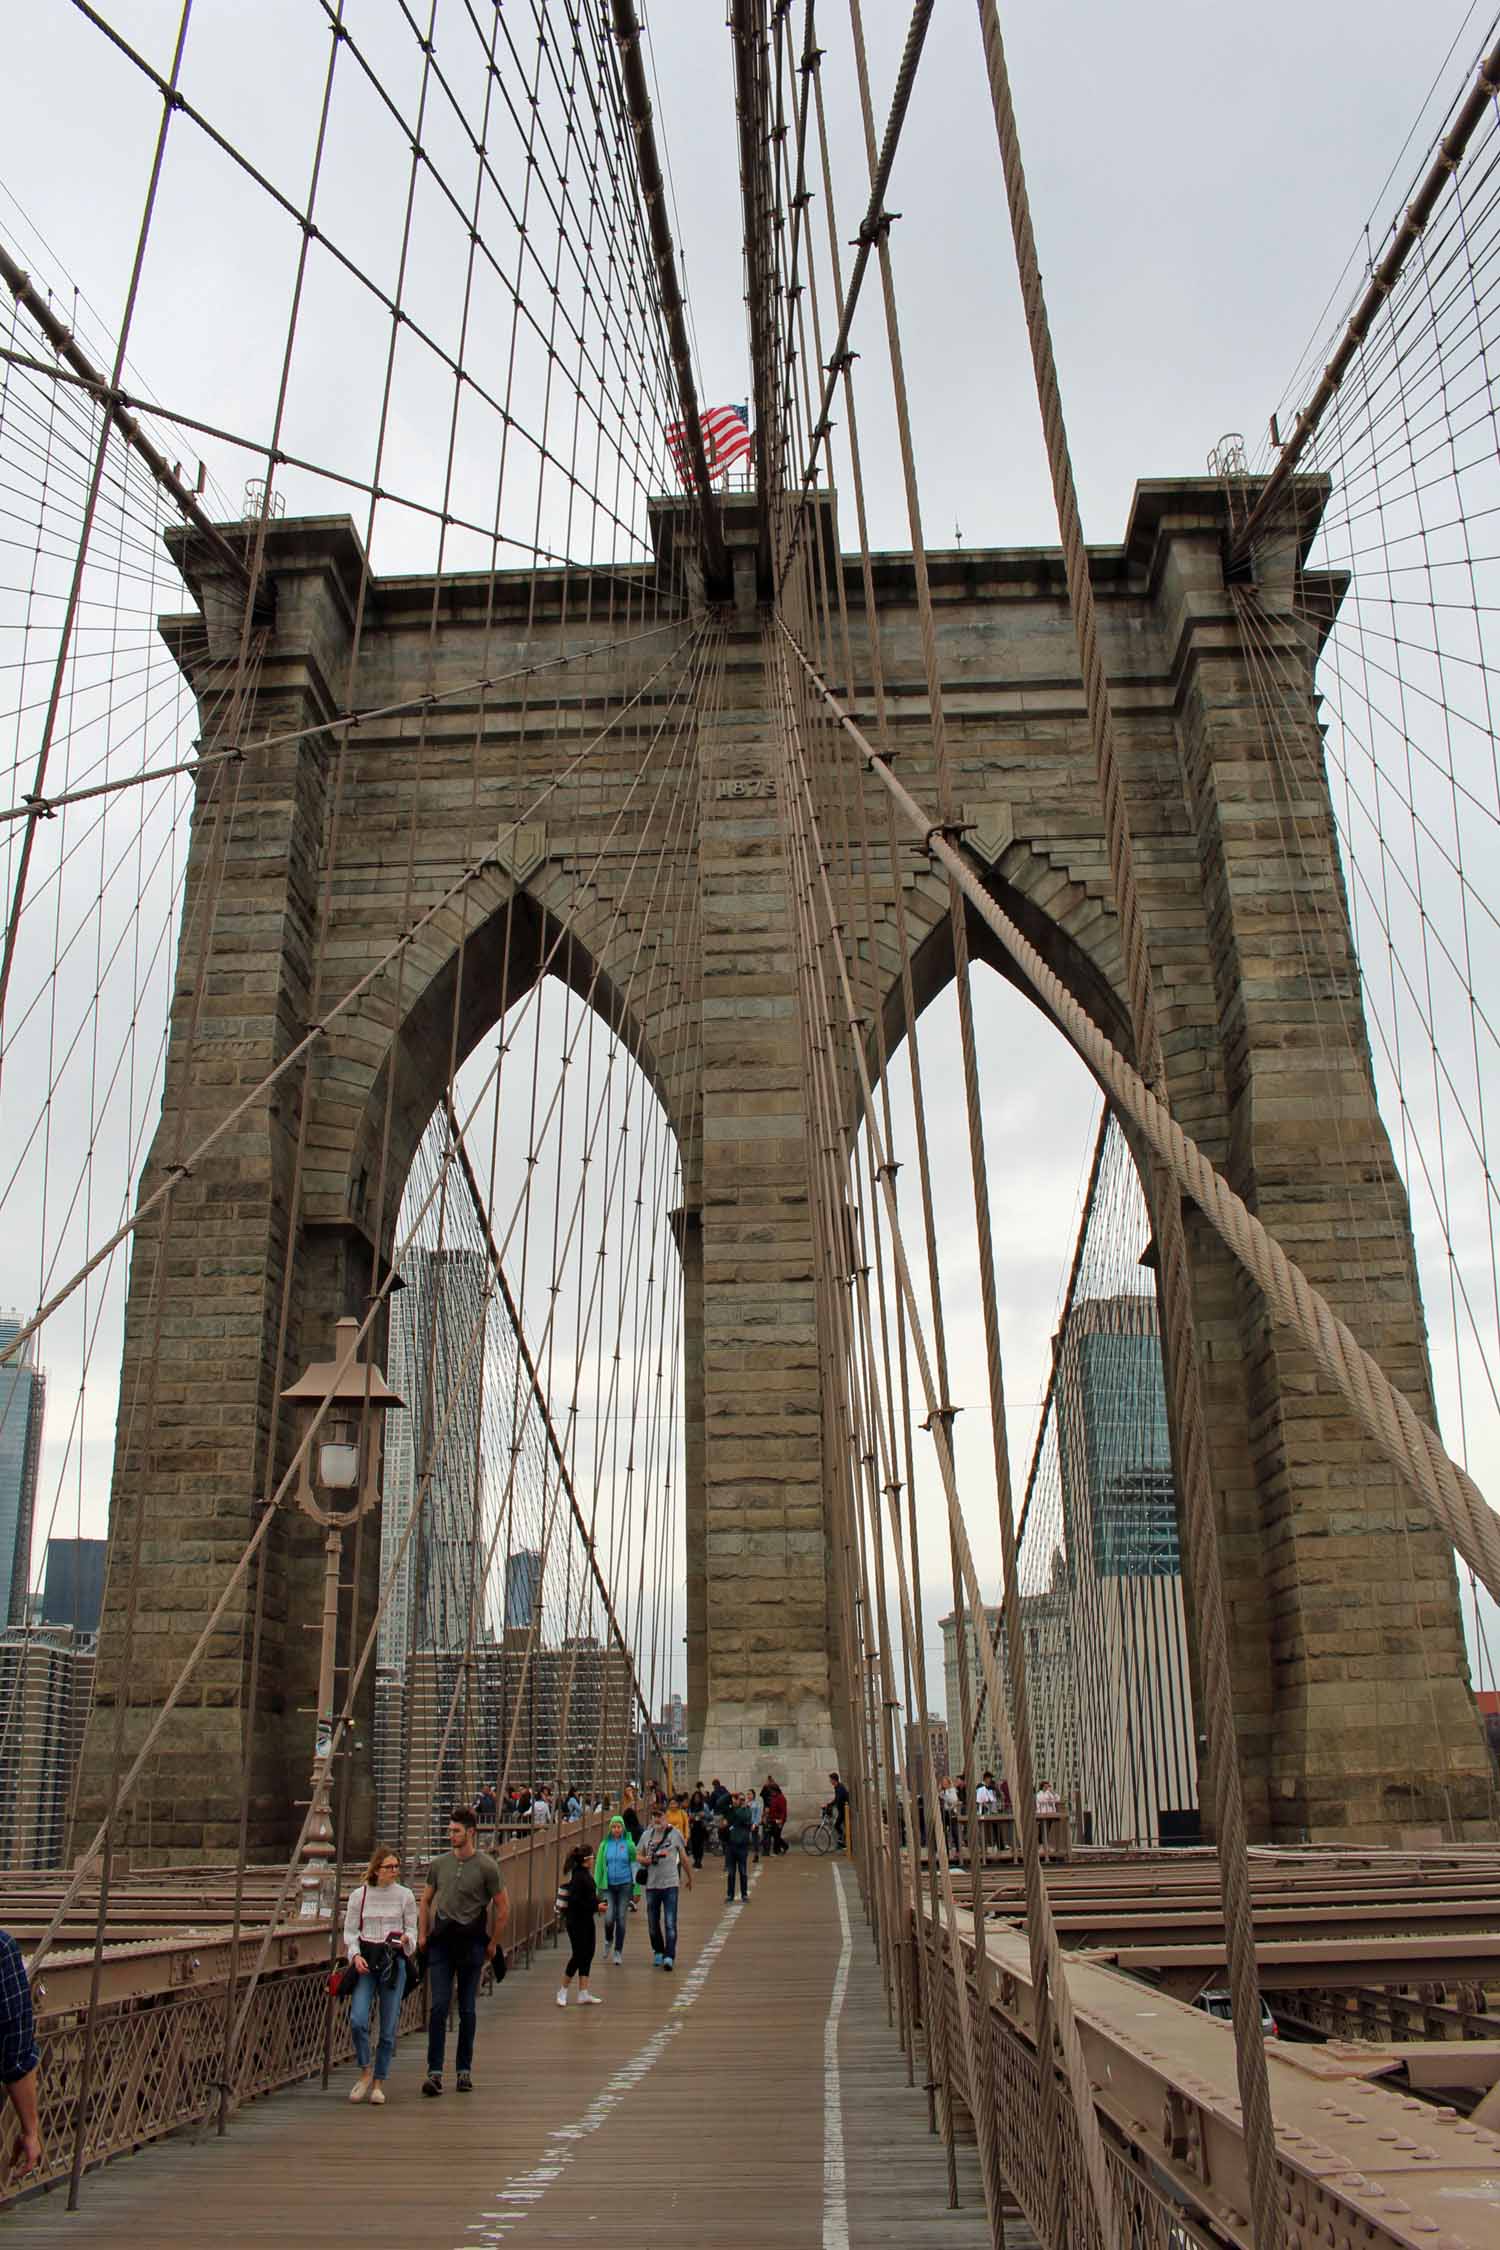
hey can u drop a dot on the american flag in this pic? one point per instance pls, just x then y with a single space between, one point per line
726 439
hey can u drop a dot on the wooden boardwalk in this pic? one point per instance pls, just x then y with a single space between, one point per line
708 2108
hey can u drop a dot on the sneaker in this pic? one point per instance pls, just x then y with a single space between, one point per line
360 2088
619 1957
589 2000
377 2095
668 1962
433 2083
465 2083
656 1960
562 1995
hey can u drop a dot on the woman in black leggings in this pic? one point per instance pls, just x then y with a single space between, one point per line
578 1903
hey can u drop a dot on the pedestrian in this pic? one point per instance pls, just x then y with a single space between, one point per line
774 1797
676 1817
614 1880
630 1813
484 1805
663 1854
948 1798
757 1823
838 1805
736 1835
380 1937
578 1904
718 1798
573 1810
541 1808
697 1824
18 2055
461 1919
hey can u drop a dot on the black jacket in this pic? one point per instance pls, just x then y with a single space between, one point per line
580 1897
739 1824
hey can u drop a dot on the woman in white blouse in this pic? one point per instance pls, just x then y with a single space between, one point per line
380 1936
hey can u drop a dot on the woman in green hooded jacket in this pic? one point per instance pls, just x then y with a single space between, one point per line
614 1879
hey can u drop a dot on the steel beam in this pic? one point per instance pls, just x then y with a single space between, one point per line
748 25
96 382
669 289
1356 2162
1382 281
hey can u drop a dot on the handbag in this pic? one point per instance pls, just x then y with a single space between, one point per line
344 1976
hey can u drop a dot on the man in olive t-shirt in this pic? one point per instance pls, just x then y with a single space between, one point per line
461 1918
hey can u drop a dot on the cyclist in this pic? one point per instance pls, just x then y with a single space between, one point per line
838 1806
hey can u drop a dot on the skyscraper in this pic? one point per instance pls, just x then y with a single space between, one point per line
73 1588
523 1587
23 1391
46 1686
437 1364
1050 1684
1136 1736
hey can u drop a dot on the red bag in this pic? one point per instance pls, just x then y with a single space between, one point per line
344 1976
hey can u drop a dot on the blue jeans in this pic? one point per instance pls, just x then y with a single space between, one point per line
661 1919
736 1861
463 1968
614 1916
390 2009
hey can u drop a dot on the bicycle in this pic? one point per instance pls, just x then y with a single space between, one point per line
820 1836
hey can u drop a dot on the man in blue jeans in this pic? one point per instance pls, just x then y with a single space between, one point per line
663 1854
461 1919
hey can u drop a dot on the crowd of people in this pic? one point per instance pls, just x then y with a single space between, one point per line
651 1849
992 1801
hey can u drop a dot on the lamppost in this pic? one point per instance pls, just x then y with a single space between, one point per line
339 1482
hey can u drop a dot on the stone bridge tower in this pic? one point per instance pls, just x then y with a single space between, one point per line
1354 1712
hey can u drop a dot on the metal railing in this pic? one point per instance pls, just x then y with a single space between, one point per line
160 2019
1350 2160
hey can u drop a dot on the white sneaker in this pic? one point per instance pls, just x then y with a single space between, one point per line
619 1957
589 2000
562 1996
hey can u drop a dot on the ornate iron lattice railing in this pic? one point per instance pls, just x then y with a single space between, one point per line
159 2029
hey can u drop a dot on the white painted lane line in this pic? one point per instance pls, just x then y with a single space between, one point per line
835 2177
524 2190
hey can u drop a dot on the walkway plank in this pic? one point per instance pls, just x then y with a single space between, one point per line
695 2102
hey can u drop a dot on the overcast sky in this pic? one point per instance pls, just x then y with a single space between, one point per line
1200 177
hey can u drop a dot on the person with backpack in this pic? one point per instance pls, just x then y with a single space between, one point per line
737 1829
614 1880
578 1904
380 1937
662 1852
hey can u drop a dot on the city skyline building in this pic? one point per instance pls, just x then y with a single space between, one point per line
1049 1674
437 1364
938 1739
559 1716
523 1589
73 1583
1123 1572
46 1690
23 1399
